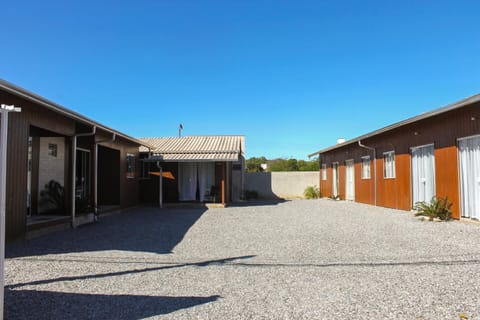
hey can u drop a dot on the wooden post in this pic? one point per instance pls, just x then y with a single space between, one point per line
223 190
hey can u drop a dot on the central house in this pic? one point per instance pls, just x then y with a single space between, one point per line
194 169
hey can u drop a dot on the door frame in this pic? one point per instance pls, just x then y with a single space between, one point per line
459 174
335 182
411 168
88 175
348 163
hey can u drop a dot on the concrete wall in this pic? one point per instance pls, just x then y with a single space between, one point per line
274 185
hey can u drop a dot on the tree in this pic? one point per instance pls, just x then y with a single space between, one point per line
255 164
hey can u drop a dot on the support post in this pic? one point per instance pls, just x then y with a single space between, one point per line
4 110
74 173
160 185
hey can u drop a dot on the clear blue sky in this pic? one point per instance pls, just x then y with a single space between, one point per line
293 76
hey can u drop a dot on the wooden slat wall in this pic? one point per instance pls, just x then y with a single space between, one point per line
19 124
38 116
442 130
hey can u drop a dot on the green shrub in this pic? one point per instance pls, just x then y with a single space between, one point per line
311 192
52 197
436 208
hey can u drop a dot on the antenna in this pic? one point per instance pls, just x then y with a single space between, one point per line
180 128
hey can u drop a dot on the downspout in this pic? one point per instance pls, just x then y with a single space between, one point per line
160 185
74 166
95 176
374 169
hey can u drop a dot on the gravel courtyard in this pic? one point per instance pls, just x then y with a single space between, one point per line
317 259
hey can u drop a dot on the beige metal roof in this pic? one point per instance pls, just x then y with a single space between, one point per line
450 107
195 148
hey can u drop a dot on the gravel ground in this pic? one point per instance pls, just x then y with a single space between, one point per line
317 259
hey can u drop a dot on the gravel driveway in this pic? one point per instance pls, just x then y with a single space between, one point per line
317 259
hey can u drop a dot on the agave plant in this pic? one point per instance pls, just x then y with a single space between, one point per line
436 208
311 192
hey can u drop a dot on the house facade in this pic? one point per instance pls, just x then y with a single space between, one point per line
201 169
62 168
435 154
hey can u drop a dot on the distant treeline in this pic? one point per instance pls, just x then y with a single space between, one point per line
261 164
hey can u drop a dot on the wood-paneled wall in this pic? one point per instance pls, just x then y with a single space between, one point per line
442 131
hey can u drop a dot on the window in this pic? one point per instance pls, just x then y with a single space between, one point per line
130 166
366 167
52 150
389 164
324 171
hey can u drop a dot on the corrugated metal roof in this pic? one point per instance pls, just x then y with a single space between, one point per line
20 92
195 148
450 107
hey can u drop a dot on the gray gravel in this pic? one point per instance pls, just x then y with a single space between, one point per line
317 259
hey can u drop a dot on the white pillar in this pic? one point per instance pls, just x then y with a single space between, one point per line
74 173
3 193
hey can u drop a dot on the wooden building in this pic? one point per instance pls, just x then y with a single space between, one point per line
63 168
433 154
198 169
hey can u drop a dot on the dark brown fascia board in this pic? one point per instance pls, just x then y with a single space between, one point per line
23 93
450 107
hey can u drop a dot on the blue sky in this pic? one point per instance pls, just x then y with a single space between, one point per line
292 76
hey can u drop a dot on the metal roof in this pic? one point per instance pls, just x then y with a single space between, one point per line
23 93
450 107
195 148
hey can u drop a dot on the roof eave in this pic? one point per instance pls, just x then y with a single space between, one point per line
441 110
23 93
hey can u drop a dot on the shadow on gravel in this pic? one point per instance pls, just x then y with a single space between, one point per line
146 229
130 272
255 203
33 304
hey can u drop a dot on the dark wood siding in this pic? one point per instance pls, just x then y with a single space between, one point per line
37 116
18 132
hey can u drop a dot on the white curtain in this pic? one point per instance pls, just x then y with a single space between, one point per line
423 174
469 154
350 180
206 178
334 179
187 181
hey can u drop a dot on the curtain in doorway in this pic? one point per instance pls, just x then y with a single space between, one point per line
187 181
191 175
423 174
469 156
206 178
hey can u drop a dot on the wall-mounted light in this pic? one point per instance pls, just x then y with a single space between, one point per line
473 118
416 133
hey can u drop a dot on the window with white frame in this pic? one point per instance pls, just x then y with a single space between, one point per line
324 171
366 167
130 166
389 164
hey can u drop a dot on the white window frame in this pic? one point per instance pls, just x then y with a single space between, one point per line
324 171
131 166
366 160
390 164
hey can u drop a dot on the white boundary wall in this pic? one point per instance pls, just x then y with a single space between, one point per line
287 185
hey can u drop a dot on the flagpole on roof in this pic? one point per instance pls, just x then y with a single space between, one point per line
4 110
